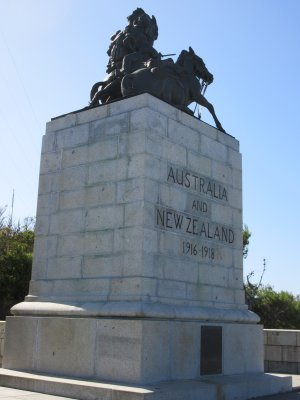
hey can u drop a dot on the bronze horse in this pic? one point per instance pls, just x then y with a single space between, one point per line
176 83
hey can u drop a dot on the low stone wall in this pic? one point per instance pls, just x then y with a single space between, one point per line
282 351
2 335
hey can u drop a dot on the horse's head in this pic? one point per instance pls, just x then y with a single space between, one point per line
199 67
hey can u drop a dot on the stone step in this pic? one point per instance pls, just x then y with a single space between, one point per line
241 387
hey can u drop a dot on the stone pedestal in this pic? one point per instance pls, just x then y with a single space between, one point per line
136 351
137 275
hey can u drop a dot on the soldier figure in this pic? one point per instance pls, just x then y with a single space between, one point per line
129 50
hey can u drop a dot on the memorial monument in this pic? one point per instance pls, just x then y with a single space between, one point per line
137 280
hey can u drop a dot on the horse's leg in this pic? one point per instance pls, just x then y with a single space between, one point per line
201 100
95 89
103 94
97 97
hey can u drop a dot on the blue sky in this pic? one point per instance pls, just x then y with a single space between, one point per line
52 51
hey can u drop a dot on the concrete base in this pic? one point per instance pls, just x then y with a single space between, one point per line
233 387
133 351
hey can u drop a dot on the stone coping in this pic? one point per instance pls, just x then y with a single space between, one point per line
136 96
134 310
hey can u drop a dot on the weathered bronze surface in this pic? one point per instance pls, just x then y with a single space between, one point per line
134 67
211 350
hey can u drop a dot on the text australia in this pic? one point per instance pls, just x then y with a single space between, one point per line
191 180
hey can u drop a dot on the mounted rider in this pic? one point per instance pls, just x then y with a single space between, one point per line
135 66
129 50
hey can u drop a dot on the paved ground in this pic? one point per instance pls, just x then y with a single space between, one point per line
295 395
14 394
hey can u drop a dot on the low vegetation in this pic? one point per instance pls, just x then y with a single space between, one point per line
16 248
277 310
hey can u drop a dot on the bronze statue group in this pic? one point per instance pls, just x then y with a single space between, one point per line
135 67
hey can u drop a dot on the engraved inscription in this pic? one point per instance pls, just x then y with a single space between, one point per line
199 205
174 220
193 181
201 237
194 249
